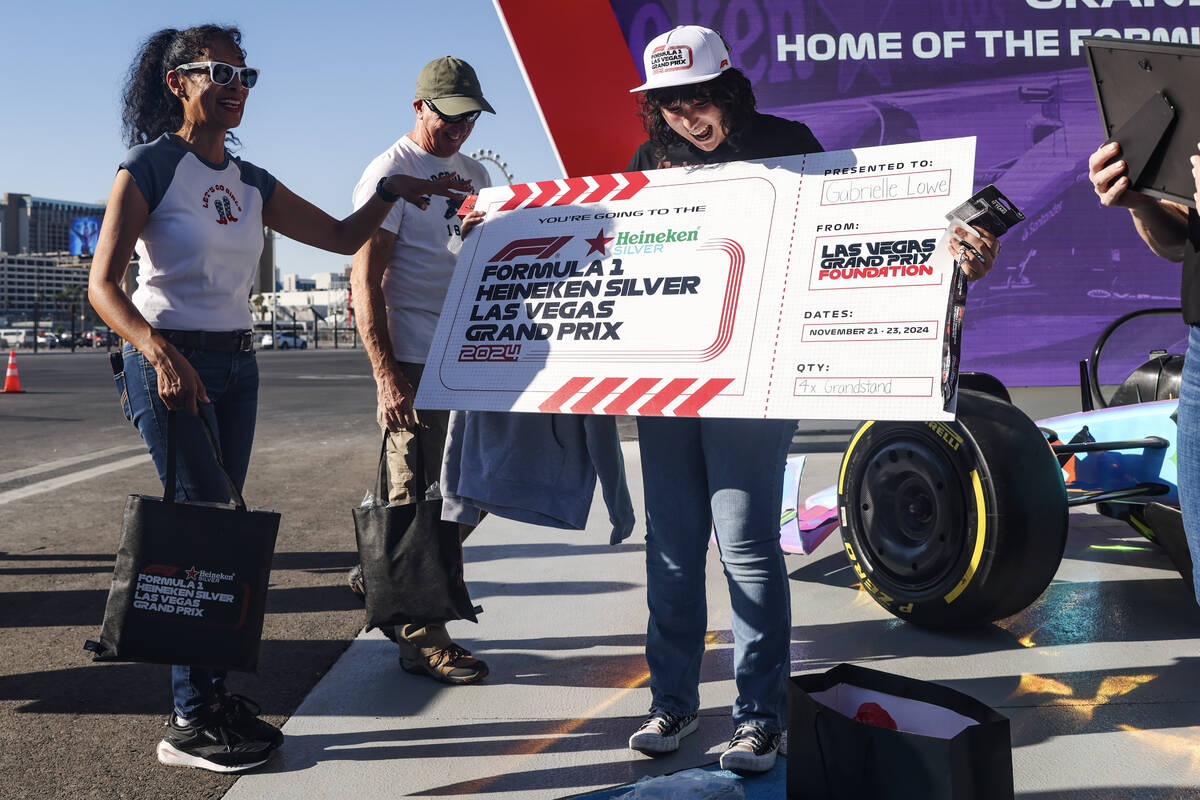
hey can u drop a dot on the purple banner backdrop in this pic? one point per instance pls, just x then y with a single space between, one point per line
869 72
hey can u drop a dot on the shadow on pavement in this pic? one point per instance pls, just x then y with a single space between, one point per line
511 740
130 688
491 552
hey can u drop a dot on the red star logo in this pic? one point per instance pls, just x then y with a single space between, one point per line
192 573
599 244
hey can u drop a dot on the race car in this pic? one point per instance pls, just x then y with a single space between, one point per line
951 524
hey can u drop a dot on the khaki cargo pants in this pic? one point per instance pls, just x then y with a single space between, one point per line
402 489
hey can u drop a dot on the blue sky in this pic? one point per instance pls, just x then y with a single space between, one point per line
336 90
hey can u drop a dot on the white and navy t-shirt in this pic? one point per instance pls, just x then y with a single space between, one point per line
201 244
427 243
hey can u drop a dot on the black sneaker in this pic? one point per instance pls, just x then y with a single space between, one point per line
241 714
210 743
751 749
355 580
661 732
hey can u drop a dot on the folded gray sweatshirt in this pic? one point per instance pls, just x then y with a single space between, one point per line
537 468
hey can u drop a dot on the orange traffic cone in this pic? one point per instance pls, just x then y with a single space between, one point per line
12 381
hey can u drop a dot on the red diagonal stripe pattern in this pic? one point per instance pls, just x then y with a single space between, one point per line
604 185
636 182
575 188
554 403
546 190
655 402
705 392
521 192
630 396
587 403
662 398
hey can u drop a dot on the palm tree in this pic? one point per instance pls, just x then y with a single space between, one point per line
260 305
70 296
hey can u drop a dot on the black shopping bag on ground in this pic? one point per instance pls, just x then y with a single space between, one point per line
948 746
411 559
190 582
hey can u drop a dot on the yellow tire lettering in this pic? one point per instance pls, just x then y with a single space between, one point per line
850 551
906 608
859 571
980 536
846 458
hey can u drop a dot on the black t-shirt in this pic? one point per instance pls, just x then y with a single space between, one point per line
1189 292
766 137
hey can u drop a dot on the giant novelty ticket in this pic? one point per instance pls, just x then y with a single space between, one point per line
813 286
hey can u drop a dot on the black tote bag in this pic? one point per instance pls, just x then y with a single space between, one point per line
411 559
190 582
948 745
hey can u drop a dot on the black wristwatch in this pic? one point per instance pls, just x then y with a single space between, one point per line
383 193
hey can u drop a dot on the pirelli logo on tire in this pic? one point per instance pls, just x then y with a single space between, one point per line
946 434
948 524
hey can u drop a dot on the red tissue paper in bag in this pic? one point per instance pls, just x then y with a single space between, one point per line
873 714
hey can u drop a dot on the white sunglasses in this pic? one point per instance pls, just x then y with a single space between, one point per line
222 73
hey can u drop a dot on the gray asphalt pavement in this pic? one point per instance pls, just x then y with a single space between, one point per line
70 728
1099 676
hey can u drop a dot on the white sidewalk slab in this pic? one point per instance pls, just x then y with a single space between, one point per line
1099 676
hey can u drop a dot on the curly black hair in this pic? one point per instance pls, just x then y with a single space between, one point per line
150 110
730 92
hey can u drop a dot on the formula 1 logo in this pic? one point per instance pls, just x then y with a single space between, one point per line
533 248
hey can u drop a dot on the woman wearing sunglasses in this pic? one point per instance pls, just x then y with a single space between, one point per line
195 216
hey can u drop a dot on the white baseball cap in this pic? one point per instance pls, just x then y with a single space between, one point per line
684 55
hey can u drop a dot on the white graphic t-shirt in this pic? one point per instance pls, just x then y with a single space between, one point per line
201 244
427 243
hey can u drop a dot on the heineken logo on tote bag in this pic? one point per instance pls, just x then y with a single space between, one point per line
214 596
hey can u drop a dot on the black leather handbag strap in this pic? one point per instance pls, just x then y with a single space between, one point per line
172 454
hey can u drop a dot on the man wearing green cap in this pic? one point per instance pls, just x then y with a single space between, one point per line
399 280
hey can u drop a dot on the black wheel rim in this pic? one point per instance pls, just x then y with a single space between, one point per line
912 512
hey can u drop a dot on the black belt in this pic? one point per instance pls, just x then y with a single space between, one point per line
222 341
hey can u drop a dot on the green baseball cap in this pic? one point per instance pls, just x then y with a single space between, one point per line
452 85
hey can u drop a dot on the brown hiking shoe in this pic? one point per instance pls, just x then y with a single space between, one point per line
354 578
452 664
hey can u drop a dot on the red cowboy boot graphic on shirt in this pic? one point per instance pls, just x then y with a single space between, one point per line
228 209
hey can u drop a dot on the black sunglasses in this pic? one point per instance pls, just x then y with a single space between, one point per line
221 73
449 119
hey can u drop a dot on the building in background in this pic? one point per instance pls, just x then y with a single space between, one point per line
47 286
38 225
294 283
331 280
46 250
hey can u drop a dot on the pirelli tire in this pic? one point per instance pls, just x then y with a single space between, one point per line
952 524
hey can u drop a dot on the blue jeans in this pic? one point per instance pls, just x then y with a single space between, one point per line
1189 451
727 474
231 380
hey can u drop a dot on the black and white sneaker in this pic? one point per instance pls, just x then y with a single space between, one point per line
661 732
750 750
210 743
241 715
